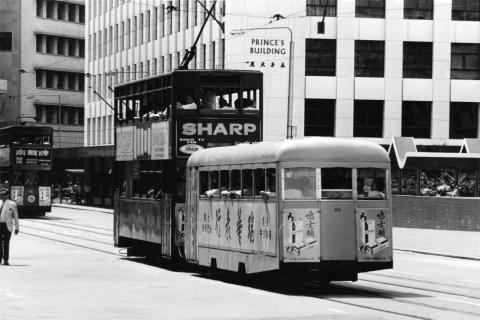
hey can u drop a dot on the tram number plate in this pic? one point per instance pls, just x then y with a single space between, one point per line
337 210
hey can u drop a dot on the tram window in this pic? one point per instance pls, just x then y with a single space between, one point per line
271 180
247 183
259 181
371 184
203 183
337 183
224 180
213 185
214 181
4 179
235 181
300 184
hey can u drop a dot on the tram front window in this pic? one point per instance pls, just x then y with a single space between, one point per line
299 184
337 183
371 184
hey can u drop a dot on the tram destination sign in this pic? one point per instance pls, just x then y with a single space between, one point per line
197 134
33 157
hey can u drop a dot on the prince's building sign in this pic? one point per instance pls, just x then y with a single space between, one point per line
196 134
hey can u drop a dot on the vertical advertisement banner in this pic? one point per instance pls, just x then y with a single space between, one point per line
44 196
17 194
374 234
301 235
242 226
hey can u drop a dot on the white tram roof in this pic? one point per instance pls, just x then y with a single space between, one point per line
321 149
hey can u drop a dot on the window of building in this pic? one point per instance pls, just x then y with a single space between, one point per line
49 77
39 45
317 8
6 41
71 47
320 58
71 81
370 8
416 119
39 78
417 60
50 9
466 10
50 44
81 48
72 12
154 24
81 14
61 10
368 118
418 9
140 29
319 117
369 58
61 45
465 61
61 80
147 27
81 82
463 120
40 6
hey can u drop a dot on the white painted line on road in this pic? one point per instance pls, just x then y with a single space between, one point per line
460 301
470 281
337 311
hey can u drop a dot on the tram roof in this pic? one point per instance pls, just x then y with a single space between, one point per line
298 150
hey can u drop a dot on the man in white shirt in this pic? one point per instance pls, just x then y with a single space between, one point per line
8 218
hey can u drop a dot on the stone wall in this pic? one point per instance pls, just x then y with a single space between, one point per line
436 213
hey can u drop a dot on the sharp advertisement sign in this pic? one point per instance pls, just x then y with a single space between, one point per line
196 134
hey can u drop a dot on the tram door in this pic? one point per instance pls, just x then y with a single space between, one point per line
337 230
338 236
191 215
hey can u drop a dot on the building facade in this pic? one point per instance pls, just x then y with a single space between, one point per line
42 52
367 69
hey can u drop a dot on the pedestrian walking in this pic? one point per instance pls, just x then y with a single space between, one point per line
8 219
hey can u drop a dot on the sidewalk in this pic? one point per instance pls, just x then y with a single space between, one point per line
79 207
457 244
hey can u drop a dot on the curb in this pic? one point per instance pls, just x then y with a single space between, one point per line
83 208
438 254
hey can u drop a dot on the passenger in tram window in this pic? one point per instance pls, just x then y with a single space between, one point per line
377 189
210 100
247 181
187 103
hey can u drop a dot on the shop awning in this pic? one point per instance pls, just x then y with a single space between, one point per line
403 150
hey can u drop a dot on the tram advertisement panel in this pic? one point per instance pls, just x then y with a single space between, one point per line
4 157
34 157
244 226
301 235
196 134
143 141
373 232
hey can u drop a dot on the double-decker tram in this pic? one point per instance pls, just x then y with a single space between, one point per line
26 167
160 122
318 207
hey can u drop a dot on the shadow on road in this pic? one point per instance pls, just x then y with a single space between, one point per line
280 284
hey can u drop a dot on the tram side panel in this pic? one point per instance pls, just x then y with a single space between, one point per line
235 232
145 220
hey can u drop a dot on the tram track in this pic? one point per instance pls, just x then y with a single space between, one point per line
61 223
430 290
367 292
68 235
72 228
73 244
